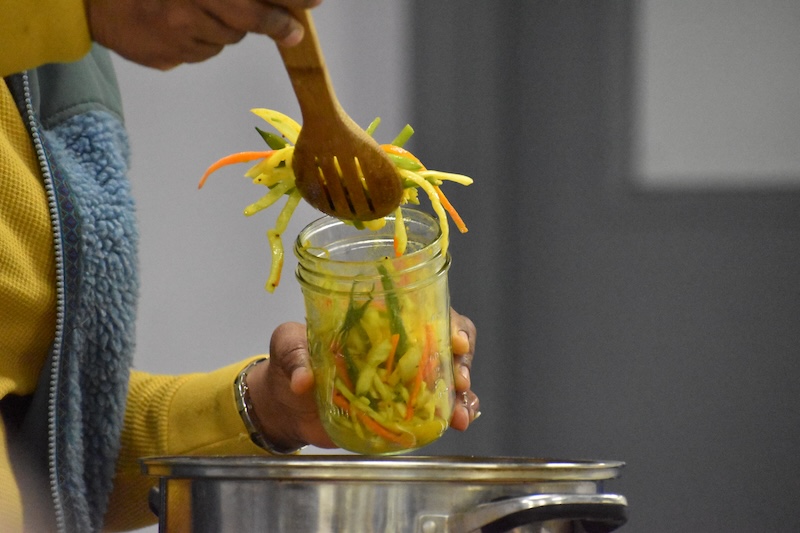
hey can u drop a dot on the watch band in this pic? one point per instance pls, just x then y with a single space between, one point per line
247 412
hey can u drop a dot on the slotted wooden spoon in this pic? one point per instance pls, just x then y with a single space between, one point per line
340 170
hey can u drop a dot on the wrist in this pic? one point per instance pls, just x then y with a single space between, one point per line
246 408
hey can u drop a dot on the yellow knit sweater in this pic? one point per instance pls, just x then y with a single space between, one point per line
166 415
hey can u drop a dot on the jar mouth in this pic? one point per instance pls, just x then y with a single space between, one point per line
335 257
351 238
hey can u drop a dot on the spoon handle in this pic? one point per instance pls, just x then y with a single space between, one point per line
307 71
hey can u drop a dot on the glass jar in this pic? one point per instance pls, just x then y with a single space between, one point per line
378 332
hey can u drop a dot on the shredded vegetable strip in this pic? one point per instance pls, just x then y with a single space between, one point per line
276 244
400 234
423 365
268 199
241 157
445 176
285 125
437 205
450 209
390 360
404 135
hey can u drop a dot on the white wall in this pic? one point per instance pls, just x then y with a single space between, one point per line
203 264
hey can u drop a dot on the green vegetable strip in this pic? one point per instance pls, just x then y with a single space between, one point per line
404 135
352 316
273 141
393 306
404 162
373 126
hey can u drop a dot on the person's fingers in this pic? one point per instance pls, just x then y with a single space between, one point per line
244 16
279 25
298 4
463 334
467 410
163 34
289 351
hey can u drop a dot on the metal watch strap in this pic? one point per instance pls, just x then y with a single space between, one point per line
247 412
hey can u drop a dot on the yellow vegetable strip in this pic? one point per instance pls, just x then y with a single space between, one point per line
400 233
275 242
285 125
273 176
445 176
268 199
271 163
423 364
435 202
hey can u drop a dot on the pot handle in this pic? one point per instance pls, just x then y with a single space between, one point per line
597 513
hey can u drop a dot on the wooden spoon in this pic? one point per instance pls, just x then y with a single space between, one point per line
339 169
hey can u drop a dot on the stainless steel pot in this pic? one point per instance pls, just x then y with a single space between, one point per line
353 494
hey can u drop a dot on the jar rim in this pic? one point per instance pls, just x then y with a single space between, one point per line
326 222
368 249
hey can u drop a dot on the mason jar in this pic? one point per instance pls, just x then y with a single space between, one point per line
378 332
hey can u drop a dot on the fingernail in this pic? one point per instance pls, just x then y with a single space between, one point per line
464 371
294 37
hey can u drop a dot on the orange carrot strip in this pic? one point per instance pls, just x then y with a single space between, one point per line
370 423
341 401
381 431
450 209
240 157
341 370
390 360
423 364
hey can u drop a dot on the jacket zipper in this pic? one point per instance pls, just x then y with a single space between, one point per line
60 303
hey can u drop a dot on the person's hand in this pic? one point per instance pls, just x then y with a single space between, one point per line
282 388
468 405
282 391
166 33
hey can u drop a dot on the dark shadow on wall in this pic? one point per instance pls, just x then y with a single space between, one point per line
661 329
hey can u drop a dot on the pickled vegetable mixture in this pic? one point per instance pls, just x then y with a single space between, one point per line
274 170
385 369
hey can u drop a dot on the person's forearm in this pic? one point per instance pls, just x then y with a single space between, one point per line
37 33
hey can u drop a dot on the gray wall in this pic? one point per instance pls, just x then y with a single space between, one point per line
658 328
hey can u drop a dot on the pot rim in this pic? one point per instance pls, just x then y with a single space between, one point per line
382 469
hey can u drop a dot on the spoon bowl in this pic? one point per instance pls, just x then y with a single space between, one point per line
339 169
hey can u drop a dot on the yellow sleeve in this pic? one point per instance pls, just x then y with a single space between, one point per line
192 414
45 31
